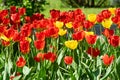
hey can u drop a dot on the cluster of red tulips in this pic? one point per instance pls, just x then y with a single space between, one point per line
64 39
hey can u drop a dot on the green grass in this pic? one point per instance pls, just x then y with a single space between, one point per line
57 4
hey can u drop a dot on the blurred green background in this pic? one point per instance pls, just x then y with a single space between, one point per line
44 6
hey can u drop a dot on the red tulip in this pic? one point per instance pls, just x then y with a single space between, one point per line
39 44
37 16
80 17
5 43
50 56
10 33
106 14
55 14
114 40
21 62
40 56
78 12
15 17
107 60
12 9
91 39
115 19
51 32
22 11
93 51
87 24
76 24
68 60
108 32
24 46
100 18
40 36
78 35
27 19
117 12
6 21
26 30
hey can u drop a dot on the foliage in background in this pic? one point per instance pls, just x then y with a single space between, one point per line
91 3
32 6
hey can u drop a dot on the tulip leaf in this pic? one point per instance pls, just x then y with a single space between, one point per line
17 77
109 69
5 73
60 74
118 66
87 69
60 56
74 65
10 66
26 70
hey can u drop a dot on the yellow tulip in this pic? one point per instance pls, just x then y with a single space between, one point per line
29 39
59 24
69 25
112 10
89 33
92 17
62 32
107 23
72 44
4 37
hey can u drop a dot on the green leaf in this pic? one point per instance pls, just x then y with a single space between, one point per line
74 65
5 73
26 70
60 74
10 66
59 59
118 66
88 71
109 69
17 77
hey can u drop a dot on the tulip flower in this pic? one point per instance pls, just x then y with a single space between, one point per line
91 39
24 46
107 60
94 52
107 23
50 56
108 32
62 32
72 44
79 35
39 57
114 40
68 60
39 44
59 24
92 18
106 14
40 36
54 14
112 10
69 25
22 11
21 62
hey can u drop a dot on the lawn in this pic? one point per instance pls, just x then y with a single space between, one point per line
57 4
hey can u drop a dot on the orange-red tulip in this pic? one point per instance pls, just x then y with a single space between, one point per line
68 60
91 39
107 60
21 62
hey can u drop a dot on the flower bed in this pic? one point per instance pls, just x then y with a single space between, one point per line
62 46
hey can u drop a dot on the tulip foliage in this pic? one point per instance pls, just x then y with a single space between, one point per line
63 46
